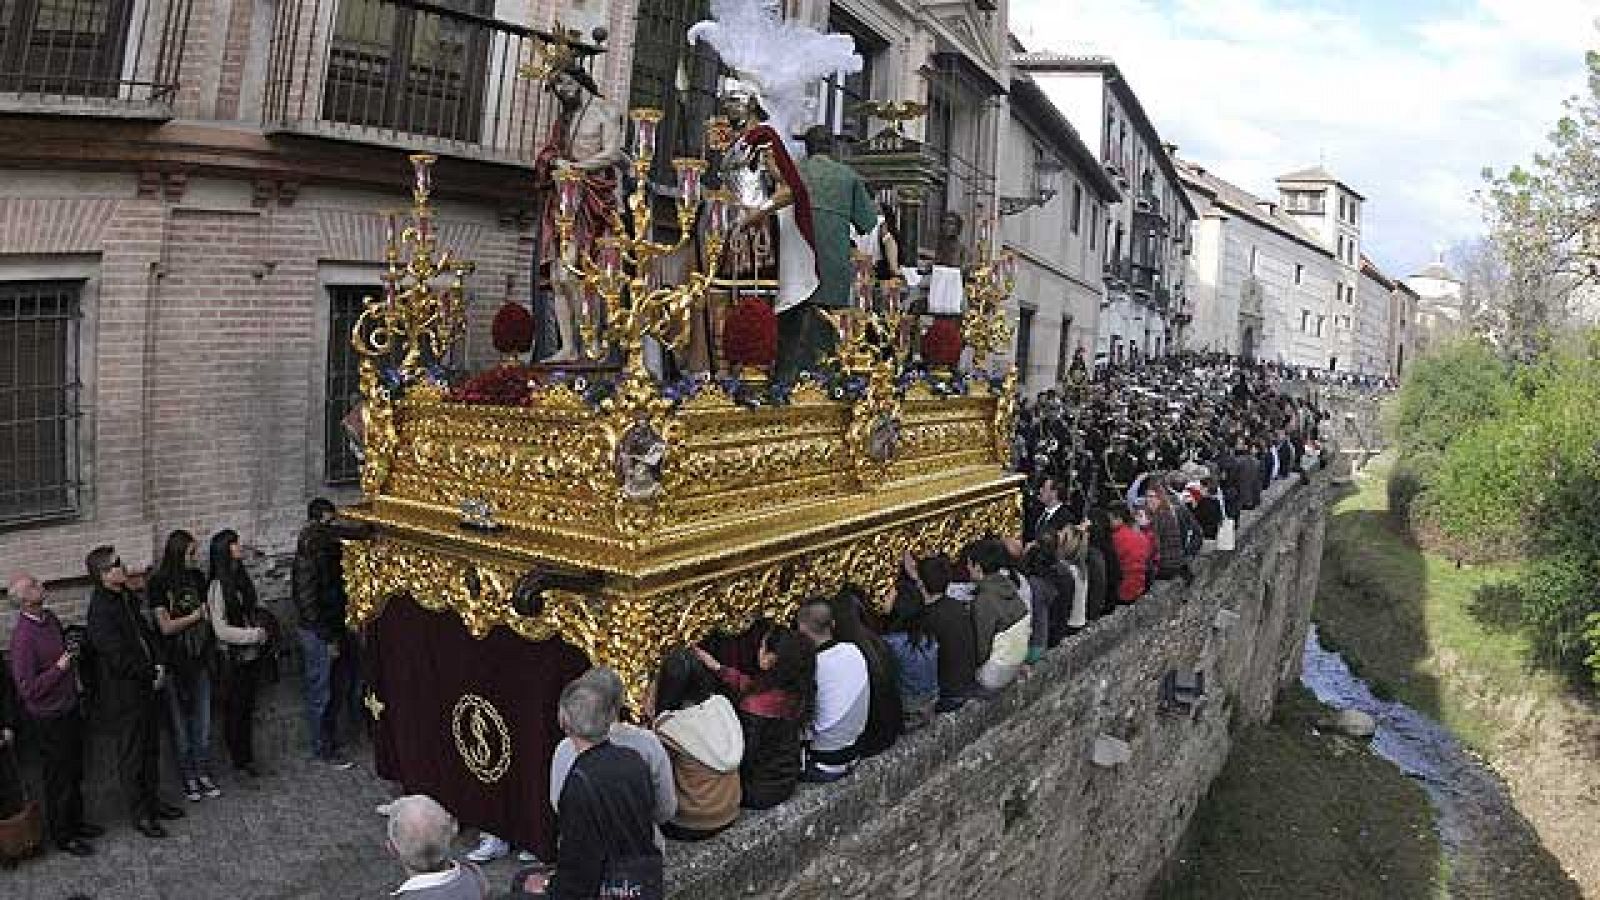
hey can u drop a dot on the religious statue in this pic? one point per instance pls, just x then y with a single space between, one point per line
587 136
778 62
839 202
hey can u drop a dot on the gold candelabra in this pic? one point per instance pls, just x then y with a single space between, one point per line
856 351
984 324
621 272
414 311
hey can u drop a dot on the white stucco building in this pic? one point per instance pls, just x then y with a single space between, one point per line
1258 282
1054 202
1440 316
1145 238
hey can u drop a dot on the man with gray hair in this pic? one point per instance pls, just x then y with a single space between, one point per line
420 833
642 741
606 846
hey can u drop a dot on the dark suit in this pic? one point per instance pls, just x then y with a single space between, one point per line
1058 519
126 647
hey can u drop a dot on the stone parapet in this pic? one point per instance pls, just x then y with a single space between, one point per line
1003 799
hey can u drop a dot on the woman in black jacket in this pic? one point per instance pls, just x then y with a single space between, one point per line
178 600
773 706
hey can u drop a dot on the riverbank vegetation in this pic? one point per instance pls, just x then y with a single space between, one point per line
1303 812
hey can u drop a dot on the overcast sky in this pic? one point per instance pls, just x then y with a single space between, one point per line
1405 100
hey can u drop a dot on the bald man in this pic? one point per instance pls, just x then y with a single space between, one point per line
420 834
44 668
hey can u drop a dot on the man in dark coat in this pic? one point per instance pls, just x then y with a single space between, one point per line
131 675
328 649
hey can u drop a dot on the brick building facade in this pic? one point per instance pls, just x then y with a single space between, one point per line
191 210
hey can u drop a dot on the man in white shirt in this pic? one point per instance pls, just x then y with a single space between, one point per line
843 697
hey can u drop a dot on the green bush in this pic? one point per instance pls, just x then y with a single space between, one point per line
1499 462
1448 394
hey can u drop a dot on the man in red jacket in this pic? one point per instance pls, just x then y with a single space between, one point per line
1134 549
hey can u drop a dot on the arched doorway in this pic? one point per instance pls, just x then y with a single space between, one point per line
1247 345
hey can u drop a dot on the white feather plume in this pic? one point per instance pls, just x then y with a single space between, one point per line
781 58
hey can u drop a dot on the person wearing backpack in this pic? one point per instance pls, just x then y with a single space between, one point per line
177 599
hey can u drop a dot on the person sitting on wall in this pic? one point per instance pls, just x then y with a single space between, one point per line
998 598
885 717
843 697
774 706
705 742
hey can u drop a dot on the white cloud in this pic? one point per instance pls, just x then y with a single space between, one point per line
1408 107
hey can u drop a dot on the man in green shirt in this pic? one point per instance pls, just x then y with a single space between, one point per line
839 202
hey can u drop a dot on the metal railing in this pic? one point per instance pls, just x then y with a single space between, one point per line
99 56
39 393
408 73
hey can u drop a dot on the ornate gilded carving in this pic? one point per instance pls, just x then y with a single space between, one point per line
630 626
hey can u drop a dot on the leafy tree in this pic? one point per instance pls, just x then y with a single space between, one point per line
1544 218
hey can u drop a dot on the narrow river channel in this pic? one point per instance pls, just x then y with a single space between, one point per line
1491 848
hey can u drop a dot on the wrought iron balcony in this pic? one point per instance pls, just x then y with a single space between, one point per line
409 74
119 58
1144 278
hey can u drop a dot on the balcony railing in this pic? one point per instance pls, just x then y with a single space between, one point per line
92 57
408 74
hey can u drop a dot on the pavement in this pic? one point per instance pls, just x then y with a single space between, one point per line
303 830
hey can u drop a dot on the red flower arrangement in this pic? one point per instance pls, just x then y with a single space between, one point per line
750 334
499 386
941 343
512 329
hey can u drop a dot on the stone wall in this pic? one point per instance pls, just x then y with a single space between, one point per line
1003 800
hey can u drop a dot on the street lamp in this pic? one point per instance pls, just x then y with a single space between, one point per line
1046 185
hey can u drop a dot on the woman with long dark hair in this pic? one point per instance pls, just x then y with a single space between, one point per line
885 716
231 603
774 705
178 600
704 740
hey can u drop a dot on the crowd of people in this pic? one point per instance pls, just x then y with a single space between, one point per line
1131 473
154 647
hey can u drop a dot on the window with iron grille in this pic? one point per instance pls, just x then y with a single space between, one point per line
343 387
69 47
39 386
675 77
414 69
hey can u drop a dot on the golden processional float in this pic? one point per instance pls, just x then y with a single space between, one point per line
628 517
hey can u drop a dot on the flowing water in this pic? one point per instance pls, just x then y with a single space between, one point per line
1492 850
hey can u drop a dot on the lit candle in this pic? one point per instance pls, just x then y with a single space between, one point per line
422 164
645 122
389 230
689 182
892 291
717 212
610 254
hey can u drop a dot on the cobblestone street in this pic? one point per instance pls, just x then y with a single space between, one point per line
301 831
